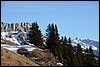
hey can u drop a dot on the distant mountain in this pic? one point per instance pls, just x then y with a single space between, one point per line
86 43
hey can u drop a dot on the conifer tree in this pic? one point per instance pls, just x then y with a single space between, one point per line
68 52
53 42
75 61
90 58
79 54
86 50
65 41
56 32
35 35
52 37
69 40
90 50
69 62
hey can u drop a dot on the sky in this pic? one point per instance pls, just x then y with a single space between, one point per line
73 18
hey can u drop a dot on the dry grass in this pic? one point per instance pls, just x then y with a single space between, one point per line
44 57
8 42
9 58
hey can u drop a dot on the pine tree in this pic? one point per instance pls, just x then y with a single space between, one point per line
68 51
65 47
75 61
50 36
86 50
65 41
48 30
65 52
69 40
79 54
79 49
90 50
35 35
56 32
69 62
53 42
90 58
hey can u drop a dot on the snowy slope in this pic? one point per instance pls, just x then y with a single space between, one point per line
15 48
16 40
13 39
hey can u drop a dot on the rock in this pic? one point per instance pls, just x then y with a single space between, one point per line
15 26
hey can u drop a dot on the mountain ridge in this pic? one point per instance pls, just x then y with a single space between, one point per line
86 43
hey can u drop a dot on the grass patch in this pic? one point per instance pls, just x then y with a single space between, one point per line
8 42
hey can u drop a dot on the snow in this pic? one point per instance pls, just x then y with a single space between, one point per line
83 45
14 31
3 34
15 48
74 44
18 34
86 43
60 64
75 41
94 48
2 41
14 38
83 52
34 58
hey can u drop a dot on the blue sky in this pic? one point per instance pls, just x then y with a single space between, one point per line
73 18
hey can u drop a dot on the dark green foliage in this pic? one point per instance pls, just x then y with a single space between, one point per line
69 40
65 41
53 42
60 52
86 50
75 61
90 50
35 35
51 37
62 48
68 52
69 61
90 60
79 54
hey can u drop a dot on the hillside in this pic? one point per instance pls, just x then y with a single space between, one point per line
49 50
10 58
44 57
